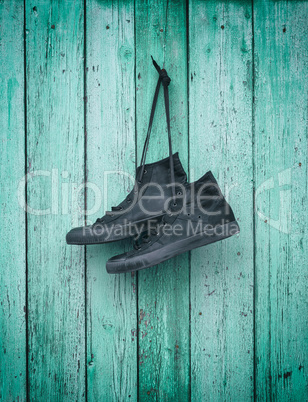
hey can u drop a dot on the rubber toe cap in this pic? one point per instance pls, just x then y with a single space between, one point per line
116 264
76 236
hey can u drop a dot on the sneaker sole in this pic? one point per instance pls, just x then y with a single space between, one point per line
173 249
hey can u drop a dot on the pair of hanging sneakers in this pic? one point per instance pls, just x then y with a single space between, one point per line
167 215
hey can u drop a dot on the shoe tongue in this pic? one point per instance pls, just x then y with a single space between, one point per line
205 186
206 178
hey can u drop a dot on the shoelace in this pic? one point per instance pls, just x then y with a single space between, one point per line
118 208
167 219
165 80
145 239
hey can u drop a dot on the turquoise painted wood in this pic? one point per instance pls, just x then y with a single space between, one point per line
12 228
280 157
226 322
55 161
220 137
163 291
110 121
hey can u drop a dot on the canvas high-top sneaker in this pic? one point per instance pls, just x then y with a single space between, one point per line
155 184
146 202
198 217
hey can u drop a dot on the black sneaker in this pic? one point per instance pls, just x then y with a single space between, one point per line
199 217
154 185
146 202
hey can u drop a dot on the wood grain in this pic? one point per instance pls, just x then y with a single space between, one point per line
55 128
227 322
163 291
111 299
281 88
12 215
220 132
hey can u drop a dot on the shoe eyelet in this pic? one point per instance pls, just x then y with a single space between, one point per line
128 200
179 193
121 208
145 172
111 214
175 204
188 214
199 217
139 182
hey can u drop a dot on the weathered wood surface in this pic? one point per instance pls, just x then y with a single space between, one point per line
226 322
163 291
12 216
110 121
55 147
220 139
280 157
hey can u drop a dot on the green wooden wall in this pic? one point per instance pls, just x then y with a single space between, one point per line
228 322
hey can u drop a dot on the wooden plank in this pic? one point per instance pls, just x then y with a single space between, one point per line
163 291
111 299
220 127
12 215
281 88
55 144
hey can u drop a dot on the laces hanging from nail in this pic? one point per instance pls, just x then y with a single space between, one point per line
165 80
